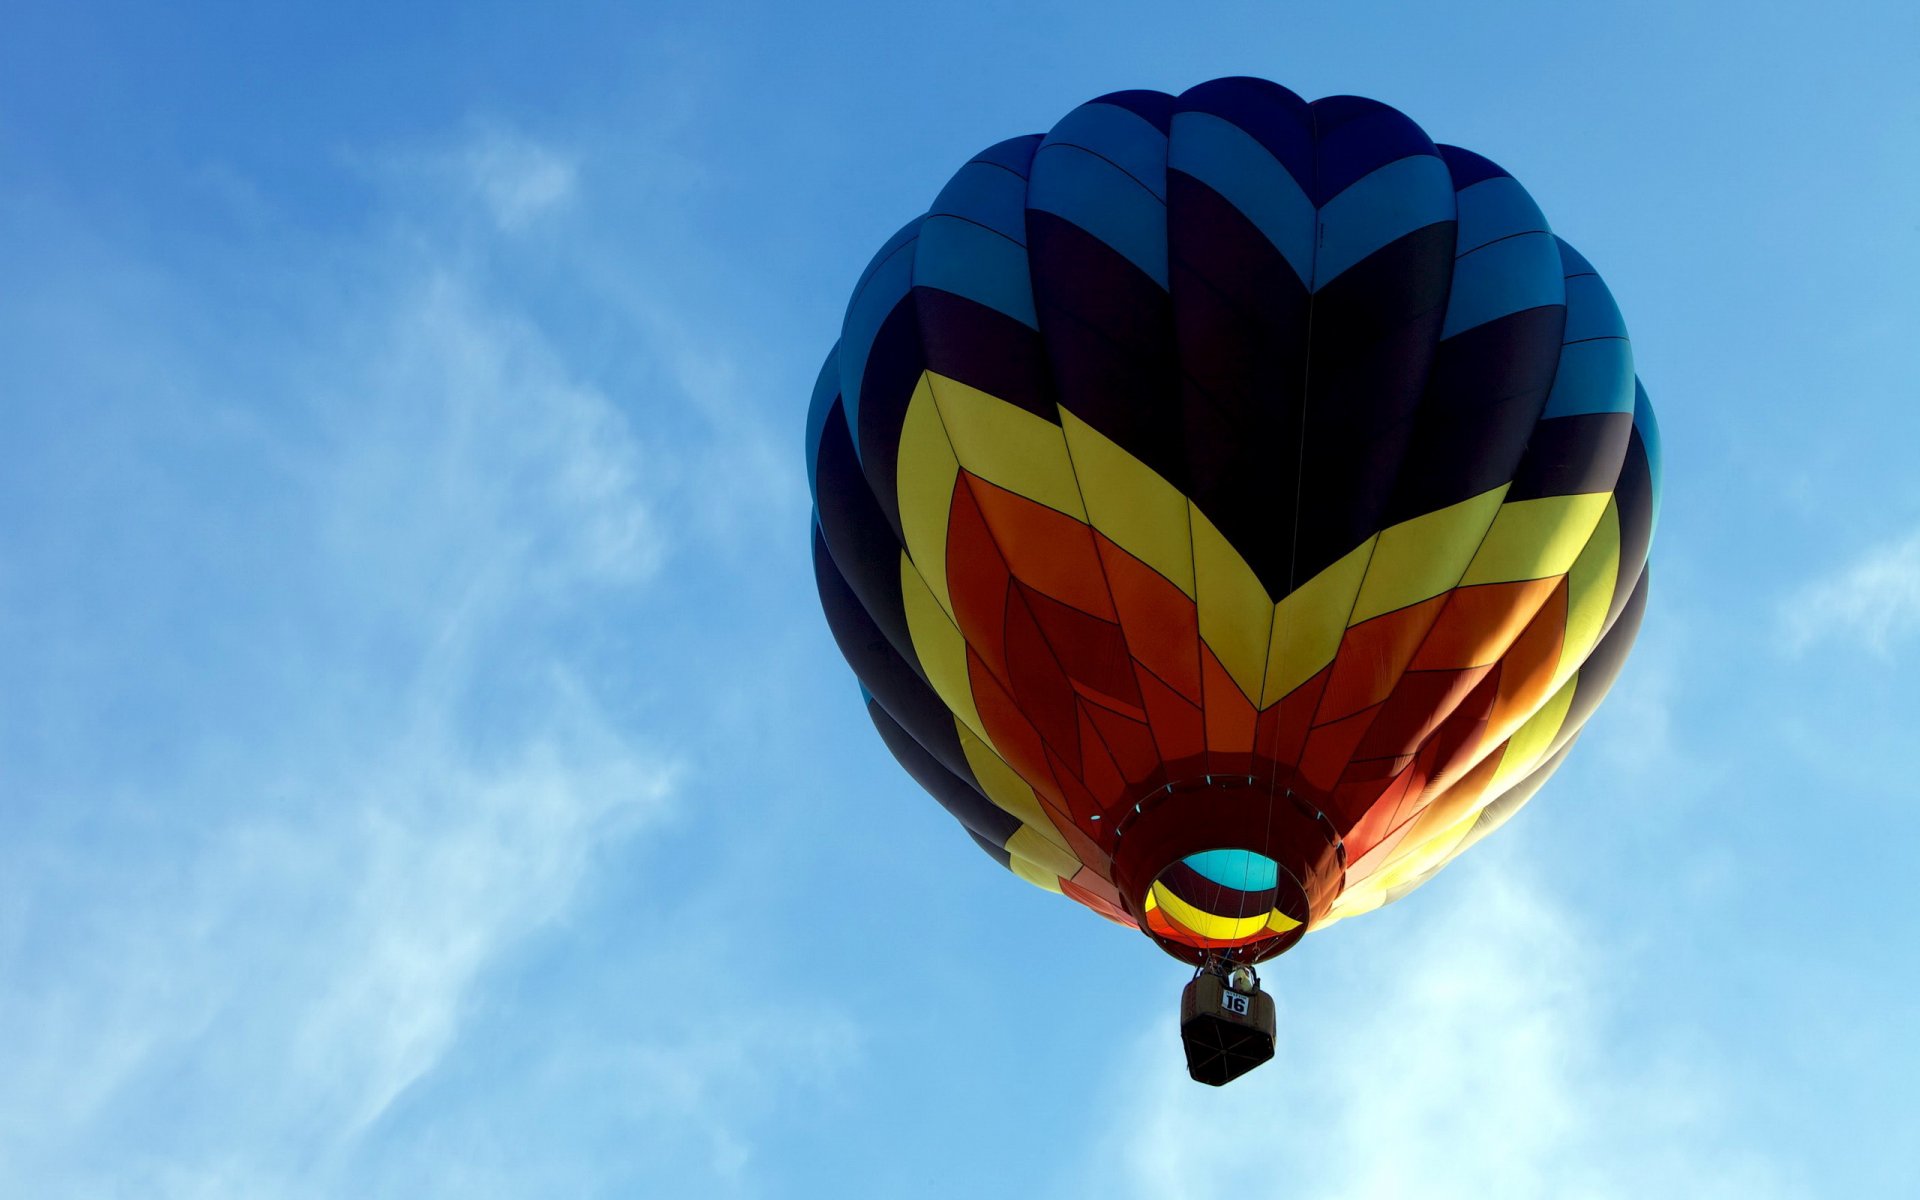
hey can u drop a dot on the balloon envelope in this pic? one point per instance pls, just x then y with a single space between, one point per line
1233 507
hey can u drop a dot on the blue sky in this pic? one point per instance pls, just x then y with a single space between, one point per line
424 771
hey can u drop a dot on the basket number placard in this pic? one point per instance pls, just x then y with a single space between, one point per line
1235 1003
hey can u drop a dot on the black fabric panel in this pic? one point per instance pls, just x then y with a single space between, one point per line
1468 168
891 679
1240 317
863 544
1603 665
1355 136
1634 494
1156 108
998 854
1108 329
1374 332
1569 456
1484 398
893 369
986 349
1273 116
958 794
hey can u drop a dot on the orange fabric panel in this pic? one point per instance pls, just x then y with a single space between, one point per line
1047 550
1450 801
1372 657
1480 622
1161 623
1009 731
1230 715
1458 740
1375 823
1526 670
1283 727
1110 909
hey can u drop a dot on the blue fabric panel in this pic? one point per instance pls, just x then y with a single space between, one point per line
1015 154
1469 168
901 237
1506 277
1105 201
826 389
1591 312
1405 195
886 284
963 258
1493 209
1155 108
1273 116
1573 262
1242 870
1227 159
1120 137
1594 376
986 195
1356 137
1649 430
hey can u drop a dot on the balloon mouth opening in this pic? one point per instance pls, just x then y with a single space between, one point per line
1231 901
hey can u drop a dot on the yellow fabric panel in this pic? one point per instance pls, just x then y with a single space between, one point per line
1037 848
927 472
1411 859
1307 625
1362 897
1236 614
1034 874
1533 740
1280 922
1007 445
1206 924
1589 591
1425 556
1004 786
939 646
1533 539
1133 506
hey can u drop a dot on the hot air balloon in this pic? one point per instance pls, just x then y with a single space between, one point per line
1233 507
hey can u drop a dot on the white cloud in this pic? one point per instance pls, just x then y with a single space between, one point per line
1875 600
221 973
1470 1054
519 179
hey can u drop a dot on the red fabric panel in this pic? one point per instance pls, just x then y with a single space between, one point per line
977 581
1132 746
1330 748
1093 652
1039 686
1046 549
1372 657
1179 730
1161 623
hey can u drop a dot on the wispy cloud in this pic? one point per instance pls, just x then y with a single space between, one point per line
1469 1054
230 962
1874 601
520 179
